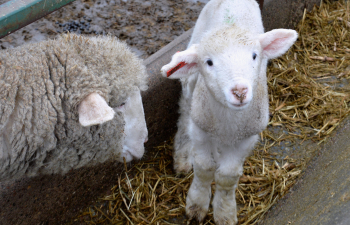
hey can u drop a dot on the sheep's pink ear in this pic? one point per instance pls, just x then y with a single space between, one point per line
94 110
182 64
276 42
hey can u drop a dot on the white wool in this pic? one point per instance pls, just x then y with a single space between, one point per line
224 102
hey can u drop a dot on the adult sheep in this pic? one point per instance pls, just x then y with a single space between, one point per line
224 102
56 97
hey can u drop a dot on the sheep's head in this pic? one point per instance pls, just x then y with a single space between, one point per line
94 110
113 78
135 129
230 61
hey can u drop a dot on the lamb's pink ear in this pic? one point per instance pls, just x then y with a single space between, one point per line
182 64
276 42
94 110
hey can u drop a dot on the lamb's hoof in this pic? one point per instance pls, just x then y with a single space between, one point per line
196 212
225 221
182 167
225 209
222 217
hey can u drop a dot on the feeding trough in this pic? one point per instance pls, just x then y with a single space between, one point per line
16 14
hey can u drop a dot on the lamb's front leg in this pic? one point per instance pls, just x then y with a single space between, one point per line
224 202
199 194
230 161
204 166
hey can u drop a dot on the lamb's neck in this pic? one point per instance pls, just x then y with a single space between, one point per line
224 124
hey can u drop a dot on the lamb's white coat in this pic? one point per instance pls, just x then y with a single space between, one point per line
224 102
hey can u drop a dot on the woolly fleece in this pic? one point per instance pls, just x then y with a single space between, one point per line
41 86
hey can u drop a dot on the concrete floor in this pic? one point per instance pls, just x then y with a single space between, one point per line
322 195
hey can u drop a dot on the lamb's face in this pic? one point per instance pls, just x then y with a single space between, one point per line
231 73
230 60
135 130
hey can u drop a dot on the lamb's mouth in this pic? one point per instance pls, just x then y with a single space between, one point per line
239 105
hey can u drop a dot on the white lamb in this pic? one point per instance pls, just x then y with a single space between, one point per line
224 102
69 103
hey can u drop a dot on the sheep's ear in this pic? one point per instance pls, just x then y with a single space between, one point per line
276 42
182 64
94 110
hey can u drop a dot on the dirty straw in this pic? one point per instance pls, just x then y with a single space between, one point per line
308 96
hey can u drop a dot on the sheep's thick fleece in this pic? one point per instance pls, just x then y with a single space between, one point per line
41 86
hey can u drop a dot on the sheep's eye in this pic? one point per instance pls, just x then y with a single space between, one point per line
121 105
254 56
209 62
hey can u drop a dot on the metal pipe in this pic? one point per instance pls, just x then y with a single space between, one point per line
16 14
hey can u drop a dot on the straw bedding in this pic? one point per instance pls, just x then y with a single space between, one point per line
309 97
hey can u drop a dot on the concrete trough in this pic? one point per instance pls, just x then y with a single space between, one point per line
55 199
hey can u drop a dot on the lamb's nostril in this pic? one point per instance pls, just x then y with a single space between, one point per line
240 93
146 140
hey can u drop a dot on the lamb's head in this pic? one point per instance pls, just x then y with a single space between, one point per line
230 60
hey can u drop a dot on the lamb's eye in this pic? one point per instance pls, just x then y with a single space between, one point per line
121 105
254 56
209 62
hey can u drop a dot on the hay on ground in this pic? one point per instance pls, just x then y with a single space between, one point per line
308 98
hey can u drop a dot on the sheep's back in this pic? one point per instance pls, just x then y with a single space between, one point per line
40 88
27 115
